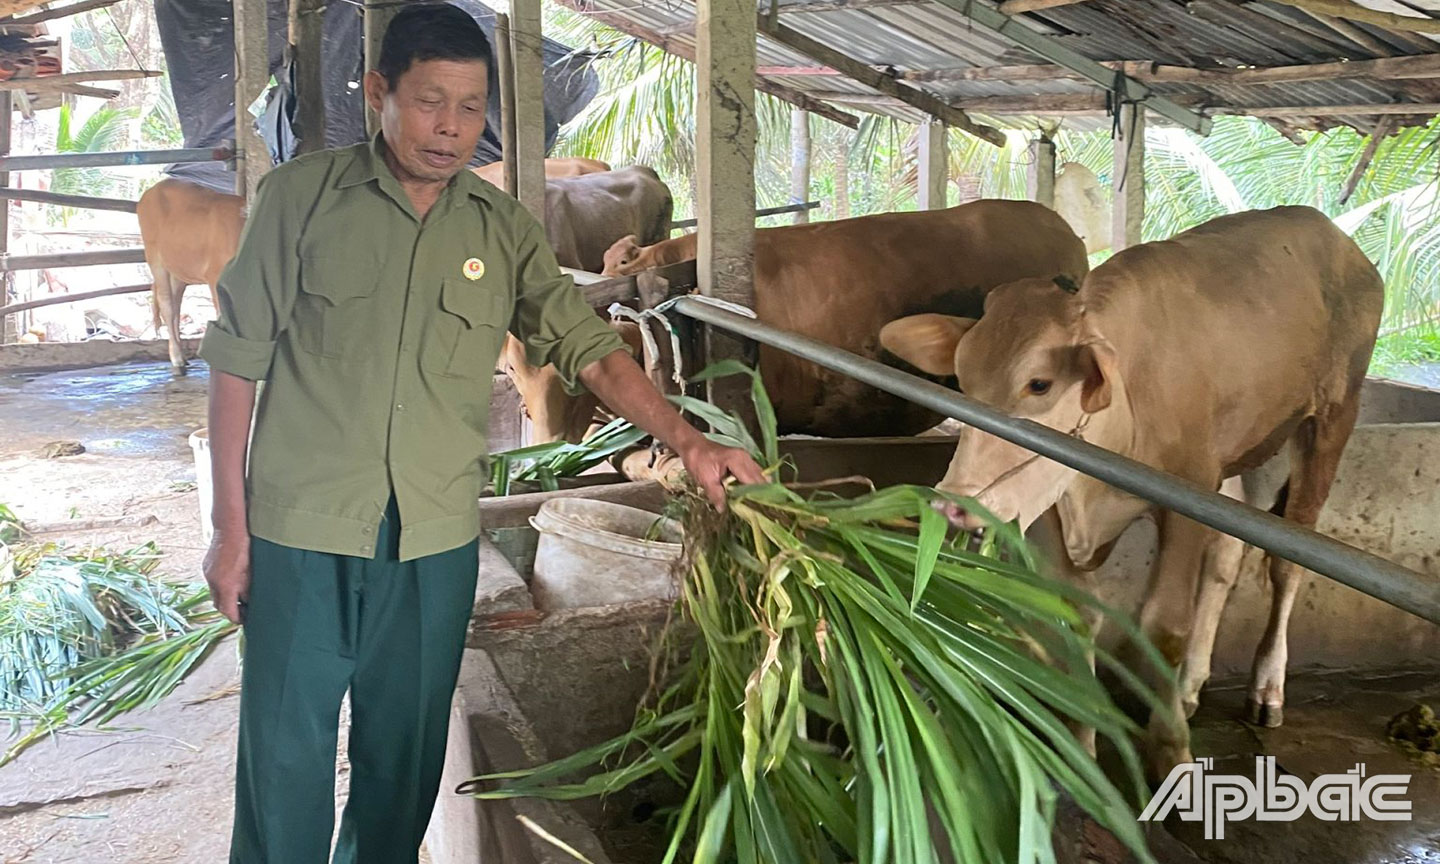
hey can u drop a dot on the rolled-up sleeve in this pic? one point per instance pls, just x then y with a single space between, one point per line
552 318
257 288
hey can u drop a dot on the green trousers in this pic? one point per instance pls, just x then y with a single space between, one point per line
317 625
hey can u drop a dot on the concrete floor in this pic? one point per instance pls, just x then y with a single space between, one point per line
134 421
1332 721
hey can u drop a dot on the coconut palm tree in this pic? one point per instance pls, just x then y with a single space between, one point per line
106 129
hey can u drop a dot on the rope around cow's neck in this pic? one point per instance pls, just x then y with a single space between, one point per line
1077 432
657 313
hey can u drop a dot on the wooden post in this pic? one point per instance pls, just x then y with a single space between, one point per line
378 14
800 161
529 70
1128 179
505 68
725 205
934 166
1040 177
305 50
252 74
8 332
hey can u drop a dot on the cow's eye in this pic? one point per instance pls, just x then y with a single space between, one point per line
1038 386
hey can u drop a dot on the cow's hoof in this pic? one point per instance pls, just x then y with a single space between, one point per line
1164 758
1263 714
1190 704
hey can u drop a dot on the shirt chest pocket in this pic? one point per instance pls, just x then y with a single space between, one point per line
335 309
465 339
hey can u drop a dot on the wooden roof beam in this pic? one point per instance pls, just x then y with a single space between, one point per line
1385 68
1095 103
685 52
875 79
786 7
57 82
1355 12
50 14
1019 7
1055 51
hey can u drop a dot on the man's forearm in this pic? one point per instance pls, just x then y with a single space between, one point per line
232 402
619 382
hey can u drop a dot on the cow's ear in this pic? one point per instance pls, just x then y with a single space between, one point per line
926 342
1098 368
621 252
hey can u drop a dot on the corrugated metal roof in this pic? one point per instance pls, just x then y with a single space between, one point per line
1206 34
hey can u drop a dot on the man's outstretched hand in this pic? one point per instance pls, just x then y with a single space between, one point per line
709 464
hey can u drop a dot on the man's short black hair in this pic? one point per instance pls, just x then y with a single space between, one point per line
430 31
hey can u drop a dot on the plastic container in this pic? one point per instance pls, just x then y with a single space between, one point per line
596 553
200 446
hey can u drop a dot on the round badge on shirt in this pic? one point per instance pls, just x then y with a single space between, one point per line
473 268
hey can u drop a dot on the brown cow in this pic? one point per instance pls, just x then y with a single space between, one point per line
494 173
840 282
190 233
1202 356
584 216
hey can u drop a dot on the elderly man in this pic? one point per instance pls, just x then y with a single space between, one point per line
372 290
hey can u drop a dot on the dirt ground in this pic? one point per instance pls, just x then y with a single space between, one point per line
159 790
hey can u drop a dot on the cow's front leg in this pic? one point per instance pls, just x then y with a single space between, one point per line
1167 619
1218 573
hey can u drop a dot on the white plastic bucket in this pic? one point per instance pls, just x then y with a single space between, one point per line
200 446
595 553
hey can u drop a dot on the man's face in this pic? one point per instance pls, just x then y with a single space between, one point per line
432 118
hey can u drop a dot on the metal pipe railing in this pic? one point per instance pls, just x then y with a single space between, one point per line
1361 570
765 211
43 161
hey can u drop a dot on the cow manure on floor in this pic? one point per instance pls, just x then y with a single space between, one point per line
61 449
1417 731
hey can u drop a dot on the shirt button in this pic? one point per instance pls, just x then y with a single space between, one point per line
366 530
400 406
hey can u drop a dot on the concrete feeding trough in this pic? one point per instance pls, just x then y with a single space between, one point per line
540 685
537 685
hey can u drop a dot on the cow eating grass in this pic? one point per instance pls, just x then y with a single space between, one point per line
1202 356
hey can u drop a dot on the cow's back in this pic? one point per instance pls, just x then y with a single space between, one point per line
189 231
586 214
1241 326
841 281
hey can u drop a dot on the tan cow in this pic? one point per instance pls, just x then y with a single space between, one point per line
494 173
1202 356
190 233
840 282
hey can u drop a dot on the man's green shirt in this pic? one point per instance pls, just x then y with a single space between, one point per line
376 334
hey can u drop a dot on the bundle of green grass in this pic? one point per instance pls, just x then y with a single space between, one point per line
863 687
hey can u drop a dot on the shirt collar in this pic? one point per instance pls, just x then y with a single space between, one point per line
369 164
